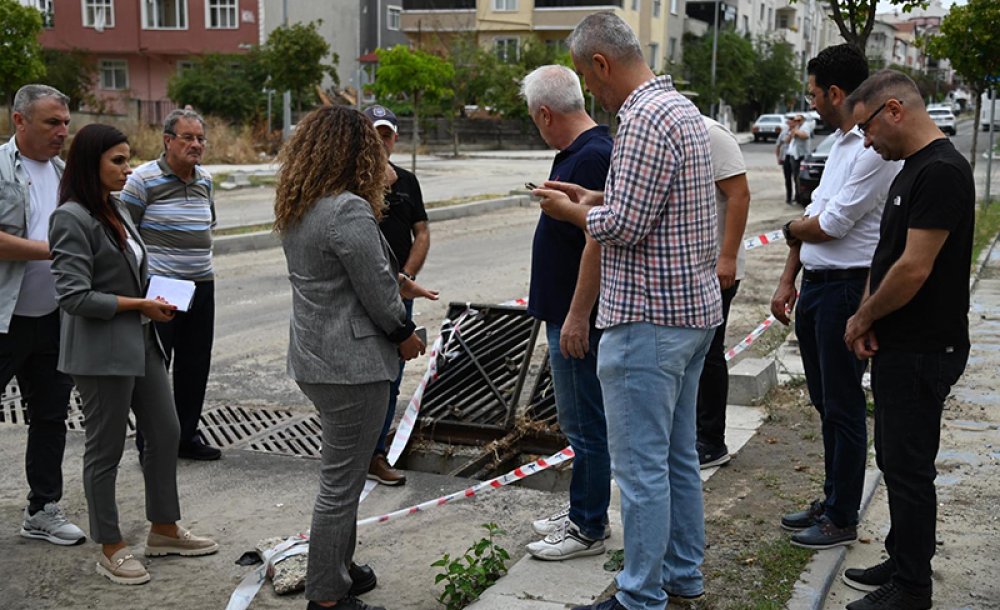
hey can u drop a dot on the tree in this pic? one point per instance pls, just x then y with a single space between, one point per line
20 53
71 72
293 56
856 18
227 86
415 75
969 38
775 78
734 68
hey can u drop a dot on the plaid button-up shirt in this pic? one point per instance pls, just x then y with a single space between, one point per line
657 227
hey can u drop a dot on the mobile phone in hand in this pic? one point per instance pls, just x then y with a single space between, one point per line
421 333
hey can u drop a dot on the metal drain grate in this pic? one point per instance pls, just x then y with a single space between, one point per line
303 438
542 407
13 411
229 426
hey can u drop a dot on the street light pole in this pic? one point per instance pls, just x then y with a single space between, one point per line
715 53
286 97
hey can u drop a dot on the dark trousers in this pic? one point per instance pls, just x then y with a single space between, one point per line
833 377
187 342
910 389
390 413
29 350
713 386
790 165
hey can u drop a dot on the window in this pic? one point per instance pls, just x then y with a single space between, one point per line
770 18
392 14
184 65
673 7
557 45
636 4
507 49
657 5
746 24
114 74
505 5
782 21
654 55
46 8
98 14
673 49
762 11
164 14
222 15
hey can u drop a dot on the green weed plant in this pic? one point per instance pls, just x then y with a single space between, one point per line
466 577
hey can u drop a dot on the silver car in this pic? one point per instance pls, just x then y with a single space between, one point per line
944 119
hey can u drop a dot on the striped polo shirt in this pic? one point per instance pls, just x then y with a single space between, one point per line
175 219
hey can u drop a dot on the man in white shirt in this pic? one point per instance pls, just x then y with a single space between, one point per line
30 170
834 243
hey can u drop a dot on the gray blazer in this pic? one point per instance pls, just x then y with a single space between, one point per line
90 272
345 296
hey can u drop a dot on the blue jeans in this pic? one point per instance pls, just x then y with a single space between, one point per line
390 414
649 375
581 418
833 376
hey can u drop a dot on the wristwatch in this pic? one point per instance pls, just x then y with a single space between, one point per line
786 230
407 275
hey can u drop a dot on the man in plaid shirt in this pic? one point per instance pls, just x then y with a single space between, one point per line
659 303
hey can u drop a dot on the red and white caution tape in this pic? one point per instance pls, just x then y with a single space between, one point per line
252 582
763 240
522 302
749 339
409 420
514 475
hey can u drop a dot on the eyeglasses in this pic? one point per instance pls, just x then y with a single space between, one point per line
811 97
188 138
863 127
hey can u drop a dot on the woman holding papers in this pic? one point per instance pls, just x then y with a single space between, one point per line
348 326
111 350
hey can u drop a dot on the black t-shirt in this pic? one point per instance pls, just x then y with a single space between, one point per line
558 245
934 190
405 209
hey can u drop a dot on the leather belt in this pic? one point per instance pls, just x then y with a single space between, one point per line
820 276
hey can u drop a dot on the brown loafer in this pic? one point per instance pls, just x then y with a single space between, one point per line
123 568
186 544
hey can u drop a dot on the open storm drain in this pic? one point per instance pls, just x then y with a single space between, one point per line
14 411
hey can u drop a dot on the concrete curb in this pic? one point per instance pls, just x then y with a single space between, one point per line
814 584
262 240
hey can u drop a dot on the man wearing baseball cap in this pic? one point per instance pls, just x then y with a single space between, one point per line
405 228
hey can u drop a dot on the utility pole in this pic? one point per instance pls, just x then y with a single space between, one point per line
286 97
715 53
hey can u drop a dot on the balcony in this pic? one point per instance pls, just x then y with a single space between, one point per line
439 5
577 3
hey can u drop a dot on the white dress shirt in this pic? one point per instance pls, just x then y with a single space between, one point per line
849 202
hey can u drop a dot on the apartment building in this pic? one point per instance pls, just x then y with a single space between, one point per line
506 25
138 45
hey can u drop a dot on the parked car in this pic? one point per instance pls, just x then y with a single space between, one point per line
819 127
811 170
767 126
944 119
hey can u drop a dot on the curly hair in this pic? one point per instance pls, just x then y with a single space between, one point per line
334 149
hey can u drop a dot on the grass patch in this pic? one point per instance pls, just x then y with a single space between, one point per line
266 226
779 565
458 200
987 227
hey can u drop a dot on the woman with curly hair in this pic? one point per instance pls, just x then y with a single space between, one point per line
348 327
110 348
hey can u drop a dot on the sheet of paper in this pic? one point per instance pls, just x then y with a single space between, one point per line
175 292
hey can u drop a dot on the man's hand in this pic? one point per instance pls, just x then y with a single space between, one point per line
725 270
411 347
859 336
555 204
865 346
574 339
783 301
408 289
575 192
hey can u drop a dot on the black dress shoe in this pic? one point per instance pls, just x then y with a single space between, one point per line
362 579
348 603
196 449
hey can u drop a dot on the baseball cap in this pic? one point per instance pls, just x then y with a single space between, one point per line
380 115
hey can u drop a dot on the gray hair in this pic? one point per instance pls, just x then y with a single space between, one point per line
554 86
27 95
170 122
883 85
605 33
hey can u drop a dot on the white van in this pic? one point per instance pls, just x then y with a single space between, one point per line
987 106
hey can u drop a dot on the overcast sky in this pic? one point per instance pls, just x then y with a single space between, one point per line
885 7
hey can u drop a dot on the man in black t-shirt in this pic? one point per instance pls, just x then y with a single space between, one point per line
913 324
404 226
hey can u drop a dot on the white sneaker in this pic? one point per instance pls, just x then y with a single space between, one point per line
51 524
565 544
556 522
